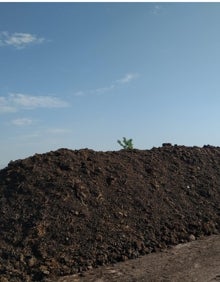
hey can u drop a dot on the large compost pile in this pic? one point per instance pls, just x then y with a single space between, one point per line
68 211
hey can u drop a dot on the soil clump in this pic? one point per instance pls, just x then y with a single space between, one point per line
65 211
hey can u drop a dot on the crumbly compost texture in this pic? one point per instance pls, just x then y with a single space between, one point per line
68 211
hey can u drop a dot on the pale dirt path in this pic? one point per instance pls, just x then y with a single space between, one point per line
195 261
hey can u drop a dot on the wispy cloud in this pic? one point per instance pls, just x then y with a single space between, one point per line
79 93
31 102
58 131
101 90
44 133
17 101
127 78
5 107
22 121
19 40
157 9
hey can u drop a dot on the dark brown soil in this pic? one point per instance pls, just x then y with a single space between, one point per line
69 211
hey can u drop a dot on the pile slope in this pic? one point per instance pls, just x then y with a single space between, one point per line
68 211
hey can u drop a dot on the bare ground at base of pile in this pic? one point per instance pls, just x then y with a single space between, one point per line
66 212
195 261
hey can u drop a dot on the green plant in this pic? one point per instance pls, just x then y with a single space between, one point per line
126 143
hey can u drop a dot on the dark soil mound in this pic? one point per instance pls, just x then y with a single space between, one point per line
68 211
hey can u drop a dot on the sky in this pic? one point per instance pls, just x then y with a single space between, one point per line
83 75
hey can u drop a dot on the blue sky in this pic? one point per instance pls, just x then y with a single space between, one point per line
82 75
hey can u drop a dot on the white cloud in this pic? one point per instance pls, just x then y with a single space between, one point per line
19 40
17 101
5 107
102 89
31 102
127 78
22 121
157 9
79 93
58 131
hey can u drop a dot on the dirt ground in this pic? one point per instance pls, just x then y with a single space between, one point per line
195 261
68 212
